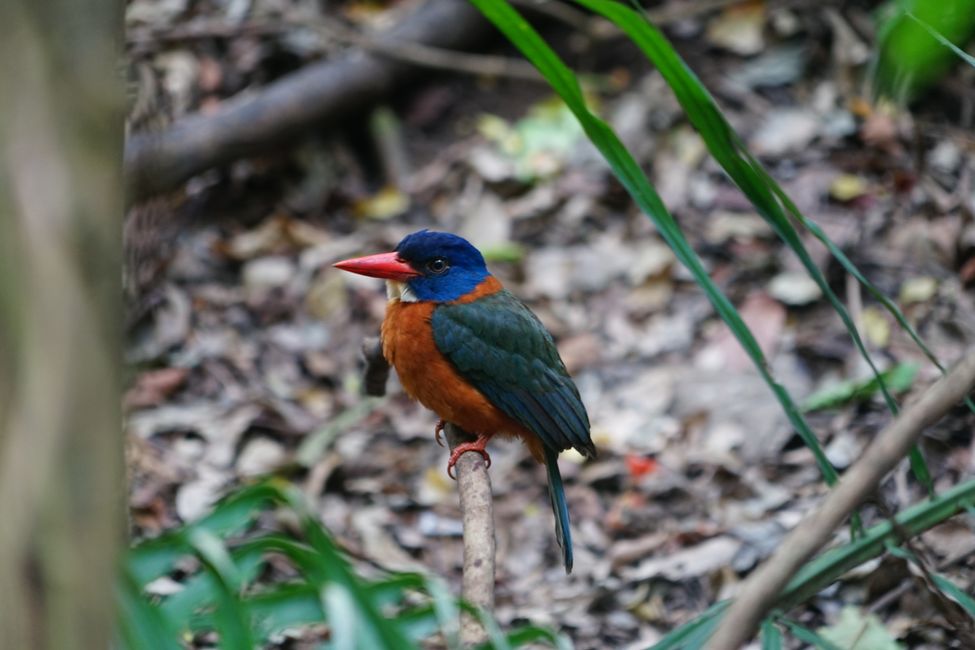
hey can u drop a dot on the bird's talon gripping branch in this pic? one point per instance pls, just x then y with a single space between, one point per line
464 447
437 430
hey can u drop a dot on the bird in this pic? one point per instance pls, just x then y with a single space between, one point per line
474 354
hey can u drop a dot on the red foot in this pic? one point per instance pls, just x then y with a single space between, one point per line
478 446
437 430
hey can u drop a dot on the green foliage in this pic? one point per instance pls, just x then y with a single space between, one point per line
629 173
771 636
898 379
776 208
806 635
226 595
859 630
918 40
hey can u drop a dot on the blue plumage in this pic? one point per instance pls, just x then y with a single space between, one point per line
450 267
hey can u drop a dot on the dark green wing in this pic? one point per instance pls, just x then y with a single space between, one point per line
499 346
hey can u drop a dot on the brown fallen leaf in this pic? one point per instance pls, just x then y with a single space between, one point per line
764 316
154 386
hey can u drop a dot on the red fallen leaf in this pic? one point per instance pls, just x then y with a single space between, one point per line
640 465
967 272
154 386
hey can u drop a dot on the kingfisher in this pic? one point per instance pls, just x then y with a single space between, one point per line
474 354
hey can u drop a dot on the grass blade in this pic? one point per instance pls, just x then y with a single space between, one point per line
955 592
744 170
231 616
913 50
681 637
341 607
285 607
806 635
938 36
771 636
141 625
639 187
371 622
531 634
822 571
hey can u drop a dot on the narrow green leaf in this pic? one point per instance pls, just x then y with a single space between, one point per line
446 609
635 181
198 591
746 172
497 638
343 616
771 636
899 378
822 571
284 607
418 623
532 634
956 593
335 568
141 625
681 637
230 516
230 616
910 56
806 635
938 36
314 445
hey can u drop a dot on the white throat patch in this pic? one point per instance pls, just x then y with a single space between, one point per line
399 291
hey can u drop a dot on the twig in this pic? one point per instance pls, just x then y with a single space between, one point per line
477 510
433 57
377 368
476 505
759 592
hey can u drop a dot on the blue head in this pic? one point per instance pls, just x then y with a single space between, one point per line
434 266
448 266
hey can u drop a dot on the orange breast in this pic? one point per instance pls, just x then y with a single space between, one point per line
428 377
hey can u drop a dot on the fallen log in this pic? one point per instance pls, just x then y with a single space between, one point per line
325 92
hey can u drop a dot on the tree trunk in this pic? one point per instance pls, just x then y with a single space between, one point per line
61 480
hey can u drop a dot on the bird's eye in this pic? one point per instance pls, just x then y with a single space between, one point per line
437 265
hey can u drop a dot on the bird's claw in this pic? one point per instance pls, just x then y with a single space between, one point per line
437 430
465 447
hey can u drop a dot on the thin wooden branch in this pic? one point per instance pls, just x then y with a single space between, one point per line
759 592
476 505
477 510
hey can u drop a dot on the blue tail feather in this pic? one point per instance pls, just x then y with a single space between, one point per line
557 493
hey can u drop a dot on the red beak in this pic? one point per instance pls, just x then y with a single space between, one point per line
385 265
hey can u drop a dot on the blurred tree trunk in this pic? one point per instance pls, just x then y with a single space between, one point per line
61 479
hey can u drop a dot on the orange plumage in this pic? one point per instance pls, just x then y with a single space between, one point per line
427 376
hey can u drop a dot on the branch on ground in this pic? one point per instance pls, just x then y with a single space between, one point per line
317 94
759 592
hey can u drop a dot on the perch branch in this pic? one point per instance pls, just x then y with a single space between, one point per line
477 510
249 124
476 505
759 592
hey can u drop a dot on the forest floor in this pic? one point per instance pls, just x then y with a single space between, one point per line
244 348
